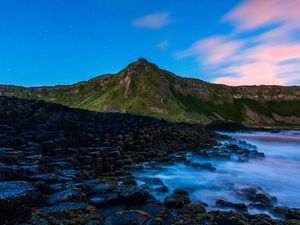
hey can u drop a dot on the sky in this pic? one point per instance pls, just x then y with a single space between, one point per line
233 42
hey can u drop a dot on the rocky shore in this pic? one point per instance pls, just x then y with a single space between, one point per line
60 165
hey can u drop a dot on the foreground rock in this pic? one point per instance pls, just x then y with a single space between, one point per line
16 199
222 125
130 217
50 154
67 166
237 206
178 199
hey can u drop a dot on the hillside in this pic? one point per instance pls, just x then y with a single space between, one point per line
145 89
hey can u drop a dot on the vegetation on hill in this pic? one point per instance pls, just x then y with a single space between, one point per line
143 88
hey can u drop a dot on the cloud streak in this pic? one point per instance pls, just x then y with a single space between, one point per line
153 21
270 52
252 14
163 45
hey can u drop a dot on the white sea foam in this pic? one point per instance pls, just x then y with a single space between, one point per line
278 174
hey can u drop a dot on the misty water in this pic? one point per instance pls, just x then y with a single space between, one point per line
278 174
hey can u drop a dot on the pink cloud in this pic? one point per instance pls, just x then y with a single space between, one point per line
271 57
275 52
253 14
153 21
258 73
215 49
279 34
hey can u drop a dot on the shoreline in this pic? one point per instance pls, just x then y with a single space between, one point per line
67 166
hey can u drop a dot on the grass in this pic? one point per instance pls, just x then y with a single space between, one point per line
147 86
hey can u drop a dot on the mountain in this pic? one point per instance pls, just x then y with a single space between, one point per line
145 89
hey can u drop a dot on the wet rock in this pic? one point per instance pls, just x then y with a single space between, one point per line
10 155
17 198
162 189
52 188
261 219
99 187
75 156
293 214
129 181
64 206
174 202
221 125
206 166
109 210
104 199
131 217
134 195
70 213
237 206
14 172
256 195
236 218
190 214
46 177
65 196
178 199
35 220
154 208
280 211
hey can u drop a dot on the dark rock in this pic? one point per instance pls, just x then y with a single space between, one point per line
178 199
236 218
134 195
174 202
293 214
104 199
64 206
99 187
237 206
190 214
65 196
70 213
47 177
131 217
153 208
14 172
206 166
17 198
256 195
75 156
129 181
162 189
35 220
220 125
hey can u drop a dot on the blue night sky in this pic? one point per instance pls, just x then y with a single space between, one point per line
48 42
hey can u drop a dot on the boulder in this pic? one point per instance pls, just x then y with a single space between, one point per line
131 217
65 196
256 195
178 199
205 166
237 206
104 199
134 195
70 213
293 214
63 206
17 198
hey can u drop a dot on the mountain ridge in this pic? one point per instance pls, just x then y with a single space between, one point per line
145 89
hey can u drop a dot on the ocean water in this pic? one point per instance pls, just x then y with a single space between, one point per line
278 174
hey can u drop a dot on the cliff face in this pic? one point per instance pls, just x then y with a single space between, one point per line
145 89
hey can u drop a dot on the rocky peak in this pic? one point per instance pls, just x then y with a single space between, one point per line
143 61
139 66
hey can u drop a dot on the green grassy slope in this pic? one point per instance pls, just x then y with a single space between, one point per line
143 88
